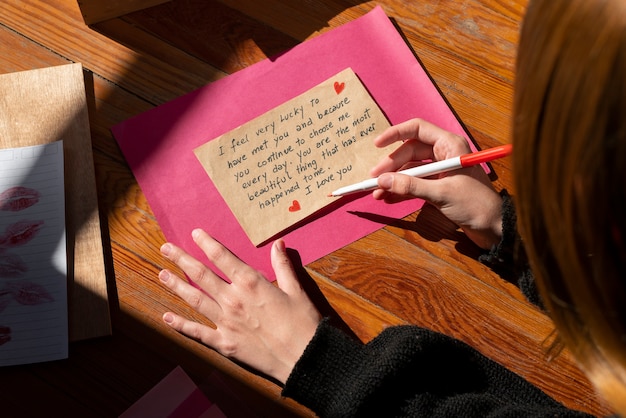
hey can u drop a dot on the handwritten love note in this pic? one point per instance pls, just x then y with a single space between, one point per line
278 169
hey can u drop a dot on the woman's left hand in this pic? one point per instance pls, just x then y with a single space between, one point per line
260 324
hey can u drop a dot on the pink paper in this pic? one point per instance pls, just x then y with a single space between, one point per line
176 396
159 143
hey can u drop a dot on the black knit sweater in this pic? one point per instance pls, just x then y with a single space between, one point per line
411 371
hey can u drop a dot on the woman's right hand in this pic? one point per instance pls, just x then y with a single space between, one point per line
465 196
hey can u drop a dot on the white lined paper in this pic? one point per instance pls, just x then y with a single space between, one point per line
33 256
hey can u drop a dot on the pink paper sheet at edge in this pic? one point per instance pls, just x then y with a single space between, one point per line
159 143
176 395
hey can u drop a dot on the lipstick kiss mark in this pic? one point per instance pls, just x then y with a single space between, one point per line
295 206
11 265
20 233
28 293
18 198
5 334
339 87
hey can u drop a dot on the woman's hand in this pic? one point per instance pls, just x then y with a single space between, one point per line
260 324
464 196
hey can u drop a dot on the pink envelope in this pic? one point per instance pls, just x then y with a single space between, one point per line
159 143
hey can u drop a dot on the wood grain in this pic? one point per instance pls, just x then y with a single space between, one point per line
95 11
418 270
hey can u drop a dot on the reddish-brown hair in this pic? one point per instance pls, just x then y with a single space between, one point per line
569 158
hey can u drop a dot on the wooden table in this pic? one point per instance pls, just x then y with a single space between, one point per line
431 274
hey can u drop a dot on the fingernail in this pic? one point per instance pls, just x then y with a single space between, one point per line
195 234
168 318
385 181
280 245
166 249
164 276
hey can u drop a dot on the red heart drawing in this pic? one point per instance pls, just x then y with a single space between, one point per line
339 86
295 206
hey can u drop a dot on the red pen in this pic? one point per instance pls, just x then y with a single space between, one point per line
437 167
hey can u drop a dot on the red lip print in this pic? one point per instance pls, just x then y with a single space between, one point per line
339 87
11 265
20 233
5 334
295 206
27 293
18 198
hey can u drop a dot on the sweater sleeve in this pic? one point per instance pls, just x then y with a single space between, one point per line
508 258
409 371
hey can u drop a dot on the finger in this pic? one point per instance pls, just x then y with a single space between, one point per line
400 132
286 276
411 129
412 150
193 296
403 185
197 272
445 144
221 256
388 197
191 329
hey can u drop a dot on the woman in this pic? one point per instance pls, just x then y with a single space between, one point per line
569 162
